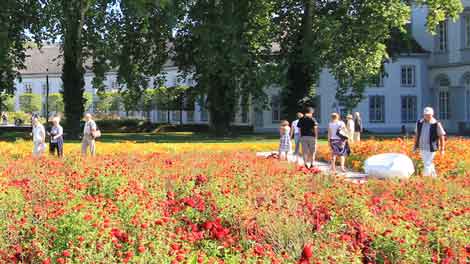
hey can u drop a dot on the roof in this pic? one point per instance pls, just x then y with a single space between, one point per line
402 43
49 57
41 60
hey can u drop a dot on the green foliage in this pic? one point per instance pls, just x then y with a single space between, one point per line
19 20
108 102
226 45
30 103
7 103
352 45
56 103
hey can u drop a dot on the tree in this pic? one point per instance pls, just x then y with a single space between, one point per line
30 103
347 37
108 102
17 18
56 103
226 45
148 102
178 98
139 37
7 102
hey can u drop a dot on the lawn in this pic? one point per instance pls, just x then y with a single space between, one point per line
172 201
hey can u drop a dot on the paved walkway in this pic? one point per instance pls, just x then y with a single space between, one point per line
323 166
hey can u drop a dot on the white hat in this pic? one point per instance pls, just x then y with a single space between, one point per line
428 111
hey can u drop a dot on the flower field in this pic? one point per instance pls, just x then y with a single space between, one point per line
218 203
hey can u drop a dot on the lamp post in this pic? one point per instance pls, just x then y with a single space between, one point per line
47 94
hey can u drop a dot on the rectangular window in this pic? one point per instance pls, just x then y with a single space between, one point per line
28 88
176 116
409 109
162 116
190 116
408 75
378 80
204 115
276 108
377 109
442 36
44 89
467 31
468 104
245 114
444 104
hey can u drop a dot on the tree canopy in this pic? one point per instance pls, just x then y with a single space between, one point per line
232 49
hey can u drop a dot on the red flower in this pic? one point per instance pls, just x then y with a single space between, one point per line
307 252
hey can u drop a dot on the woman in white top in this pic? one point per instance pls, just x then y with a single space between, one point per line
338 145
39 138
350 127
57 139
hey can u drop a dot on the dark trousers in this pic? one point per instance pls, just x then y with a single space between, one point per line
59 146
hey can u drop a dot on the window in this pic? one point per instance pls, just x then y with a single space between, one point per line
204 115
378 80
377 109
468 104
444 104
162 116
442 36
467 31
245 114
190 116
408 109
408 75
276 108
175 115
28 88
44 89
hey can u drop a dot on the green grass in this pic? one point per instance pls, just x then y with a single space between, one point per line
161 137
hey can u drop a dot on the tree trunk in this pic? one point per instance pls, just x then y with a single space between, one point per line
300 79
220 114
73 71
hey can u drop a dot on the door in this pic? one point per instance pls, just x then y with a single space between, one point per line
259 120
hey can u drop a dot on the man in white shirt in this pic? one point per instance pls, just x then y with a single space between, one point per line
39 137
430 138
295 133
88 140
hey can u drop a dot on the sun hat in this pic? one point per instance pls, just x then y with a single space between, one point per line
428 111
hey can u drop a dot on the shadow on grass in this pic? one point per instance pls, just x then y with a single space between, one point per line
169 137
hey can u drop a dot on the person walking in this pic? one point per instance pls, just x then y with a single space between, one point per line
88 140
39 138
285 145
308 136
295 133
429 138
337 138
357 127
56 138
350 128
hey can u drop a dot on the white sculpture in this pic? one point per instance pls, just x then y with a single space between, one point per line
389 165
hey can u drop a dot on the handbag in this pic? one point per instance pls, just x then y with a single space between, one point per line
342 134
96 134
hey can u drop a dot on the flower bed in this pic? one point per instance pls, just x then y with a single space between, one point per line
218 203
455 161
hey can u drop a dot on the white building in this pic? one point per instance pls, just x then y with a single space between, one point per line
435 72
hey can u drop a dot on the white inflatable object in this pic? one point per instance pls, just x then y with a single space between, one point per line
389 165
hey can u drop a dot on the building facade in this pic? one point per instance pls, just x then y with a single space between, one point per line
435 73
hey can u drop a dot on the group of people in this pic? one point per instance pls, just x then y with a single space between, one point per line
429 138
56 137
305 132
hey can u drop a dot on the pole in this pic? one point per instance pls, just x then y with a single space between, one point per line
47 94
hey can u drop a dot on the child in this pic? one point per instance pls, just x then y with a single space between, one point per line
285 143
